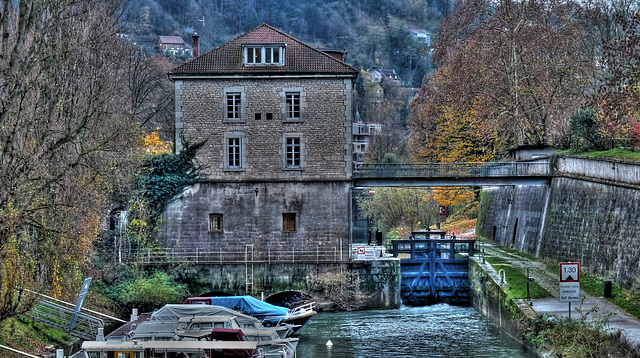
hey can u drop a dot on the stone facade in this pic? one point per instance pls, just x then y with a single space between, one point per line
252 214
277 153
325 127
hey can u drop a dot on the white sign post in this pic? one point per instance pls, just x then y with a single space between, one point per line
570 283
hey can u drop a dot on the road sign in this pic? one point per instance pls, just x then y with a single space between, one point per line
570 272
442 210
569 291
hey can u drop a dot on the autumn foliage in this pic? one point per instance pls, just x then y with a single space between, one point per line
513 73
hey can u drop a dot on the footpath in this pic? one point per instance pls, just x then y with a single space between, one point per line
617 318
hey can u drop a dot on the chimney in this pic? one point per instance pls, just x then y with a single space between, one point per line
195 44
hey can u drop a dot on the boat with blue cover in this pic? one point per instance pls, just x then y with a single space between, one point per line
270 315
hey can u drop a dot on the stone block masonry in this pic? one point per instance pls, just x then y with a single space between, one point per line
359 285
589 214
252 214
324 126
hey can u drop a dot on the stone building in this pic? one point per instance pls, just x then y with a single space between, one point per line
276 115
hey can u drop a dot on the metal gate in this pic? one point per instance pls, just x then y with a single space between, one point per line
434 270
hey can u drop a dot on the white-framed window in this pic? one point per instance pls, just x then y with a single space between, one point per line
234 104
235 151
234 100
293 152
234 158
292 105
261 55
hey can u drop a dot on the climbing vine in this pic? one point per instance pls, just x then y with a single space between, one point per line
162 177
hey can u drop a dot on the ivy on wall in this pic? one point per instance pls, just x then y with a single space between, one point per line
166 175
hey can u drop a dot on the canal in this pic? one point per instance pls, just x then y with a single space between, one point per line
430 331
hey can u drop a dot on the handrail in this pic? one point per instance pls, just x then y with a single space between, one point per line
198 256
302 308
73 305
452 170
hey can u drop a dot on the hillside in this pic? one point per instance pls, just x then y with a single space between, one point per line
374 32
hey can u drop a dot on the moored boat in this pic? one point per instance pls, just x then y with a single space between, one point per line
192 331
270 315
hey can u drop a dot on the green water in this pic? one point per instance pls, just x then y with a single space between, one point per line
431 331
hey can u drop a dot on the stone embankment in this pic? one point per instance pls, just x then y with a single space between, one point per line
513 316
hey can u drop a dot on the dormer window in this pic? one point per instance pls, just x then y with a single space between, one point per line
261 55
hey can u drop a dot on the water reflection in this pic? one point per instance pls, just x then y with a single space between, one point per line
431 331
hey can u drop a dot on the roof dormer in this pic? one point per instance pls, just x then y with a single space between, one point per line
263 55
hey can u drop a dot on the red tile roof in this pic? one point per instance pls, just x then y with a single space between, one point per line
299 58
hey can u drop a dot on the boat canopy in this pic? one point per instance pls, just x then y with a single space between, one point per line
174 312
251 306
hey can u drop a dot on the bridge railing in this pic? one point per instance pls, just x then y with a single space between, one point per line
452 170
220 256
441 247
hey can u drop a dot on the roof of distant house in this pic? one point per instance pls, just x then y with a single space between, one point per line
171 40
299 58
419 31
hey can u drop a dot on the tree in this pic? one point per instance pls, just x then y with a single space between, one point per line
508 71
616 40
399 210
64 135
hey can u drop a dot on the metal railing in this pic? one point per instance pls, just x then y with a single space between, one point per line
57 316
452 170
265 255
452 247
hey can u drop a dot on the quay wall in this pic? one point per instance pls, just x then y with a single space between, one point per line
590 214
335 286
488 298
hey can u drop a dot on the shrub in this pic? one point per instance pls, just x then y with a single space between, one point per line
635 136
148 292
585 131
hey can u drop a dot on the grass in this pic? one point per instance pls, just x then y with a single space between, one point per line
613 154
517 280
626 300
29 336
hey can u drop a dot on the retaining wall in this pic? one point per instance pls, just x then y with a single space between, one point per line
590 213
350 285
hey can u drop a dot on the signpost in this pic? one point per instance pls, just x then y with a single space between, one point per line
570 283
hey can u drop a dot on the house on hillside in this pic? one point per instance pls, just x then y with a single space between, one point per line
171 43
422 35
362 135
276 115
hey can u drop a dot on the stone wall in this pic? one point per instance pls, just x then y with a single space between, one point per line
589 214
488 298
365 284
597 225
252 214
324 126
513 215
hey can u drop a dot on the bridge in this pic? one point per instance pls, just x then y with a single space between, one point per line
452 174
